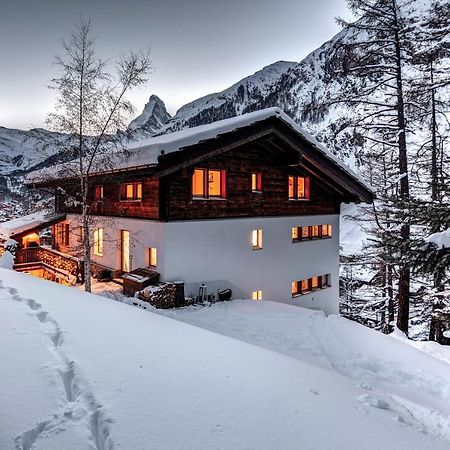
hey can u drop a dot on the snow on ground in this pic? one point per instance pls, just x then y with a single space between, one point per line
441 240
80 371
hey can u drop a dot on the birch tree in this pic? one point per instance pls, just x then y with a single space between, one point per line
91 107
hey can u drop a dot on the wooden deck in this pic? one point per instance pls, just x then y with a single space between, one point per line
66 265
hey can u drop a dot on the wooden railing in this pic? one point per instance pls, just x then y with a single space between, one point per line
60 262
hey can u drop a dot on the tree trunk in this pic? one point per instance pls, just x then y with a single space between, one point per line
404 270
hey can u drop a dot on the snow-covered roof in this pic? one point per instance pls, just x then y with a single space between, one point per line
23 224
146 152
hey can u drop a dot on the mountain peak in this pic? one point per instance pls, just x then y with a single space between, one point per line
153 117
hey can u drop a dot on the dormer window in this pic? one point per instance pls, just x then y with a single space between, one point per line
298 188
257 182
131 192
208 183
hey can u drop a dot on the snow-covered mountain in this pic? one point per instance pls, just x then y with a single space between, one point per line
153 117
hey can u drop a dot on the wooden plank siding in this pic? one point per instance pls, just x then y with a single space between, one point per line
176 192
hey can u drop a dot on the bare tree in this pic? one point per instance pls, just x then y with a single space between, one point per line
91 107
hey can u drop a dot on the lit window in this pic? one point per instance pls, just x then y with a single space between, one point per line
305 232
257 295
131 191
298 188
257 239
305 286
256 182
198 183
315 231
208 183
153 257
315 282
326 230
295 233
98 241
98 193
310 284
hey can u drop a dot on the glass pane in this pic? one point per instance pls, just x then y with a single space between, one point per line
294 233
300 187
305 286
294 288
315 282
153 257
305 232
138 191
125 250
198 183
291 187
214 183
129 191
315 231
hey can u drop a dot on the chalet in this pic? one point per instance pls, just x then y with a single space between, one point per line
249 203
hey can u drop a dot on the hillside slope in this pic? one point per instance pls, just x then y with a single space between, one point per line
81 371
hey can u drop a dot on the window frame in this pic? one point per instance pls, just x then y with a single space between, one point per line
257 239
98 189
257 186
297 288
98 241
152 256
295 186
206 189
257 295
137 190
309 235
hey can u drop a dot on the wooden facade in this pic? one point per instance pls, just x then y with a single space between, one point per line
269 147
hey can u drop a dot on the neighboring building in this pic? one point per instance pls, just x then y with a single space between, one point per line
249 203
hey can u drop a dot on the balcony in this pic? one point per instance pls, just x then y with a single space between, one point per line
51 264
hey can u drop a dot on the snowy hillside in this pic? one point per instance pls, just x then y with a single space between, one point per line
83 372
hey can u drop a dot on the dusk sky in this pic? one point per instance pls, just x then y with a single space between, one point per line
198 46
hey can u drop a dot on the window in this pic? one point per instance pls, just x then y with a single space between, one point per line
257 239
311 232
131 191
310 284
326 230
62 233
98 193
209 183
298 188
98 241
257 295
256 182
153 256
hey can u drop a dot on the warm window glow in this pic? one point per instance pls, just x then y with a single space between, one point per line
305 232
215 183
310 284
132 191
298 188
198 183
98 241
257 295
315 231
305 285
256 182
98 192
153 256
326 230
295 233
257 239
315 282
208 183
291 187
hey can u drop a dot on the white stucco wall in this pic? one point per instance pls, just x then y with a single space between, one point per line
219 253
